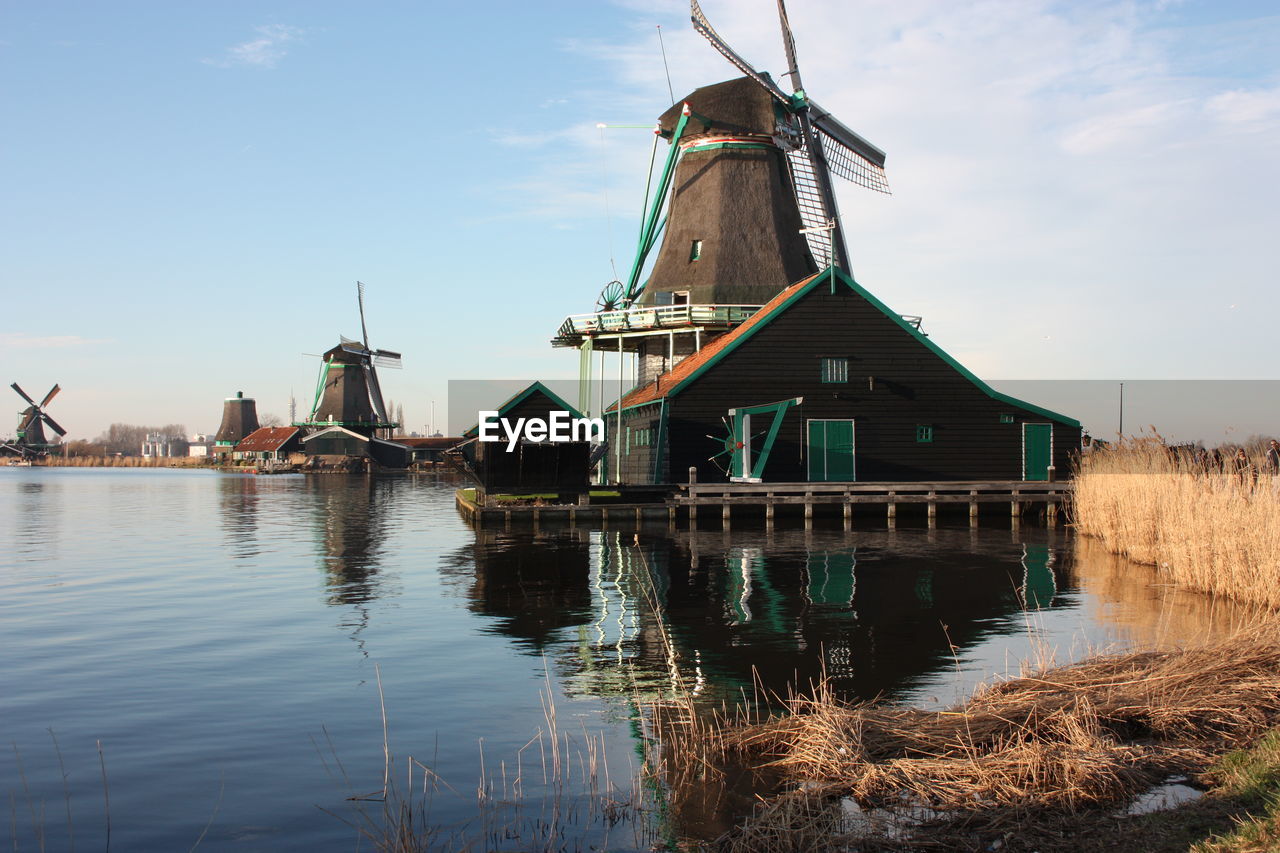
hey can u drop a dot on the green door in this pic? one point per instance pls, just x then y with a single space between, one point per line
1037 451
831 451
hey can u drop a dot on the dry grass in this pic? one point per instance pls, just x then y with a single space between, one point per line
1215 532
54 461
1023 758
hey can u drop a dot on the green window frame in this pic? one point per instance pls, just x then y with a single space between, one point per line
695 250
1006 418
835 370
924 433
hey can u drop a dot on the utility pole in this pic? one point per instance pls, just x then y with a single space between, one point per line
1121 431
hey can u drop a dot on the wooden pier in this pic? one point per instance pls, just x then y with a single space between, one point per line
694 501
1019 495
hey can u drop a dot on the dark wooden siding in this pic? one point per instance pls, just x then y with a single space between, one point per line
912 387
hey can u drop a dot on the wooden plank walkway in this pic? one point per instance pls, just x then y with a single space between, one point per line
689 499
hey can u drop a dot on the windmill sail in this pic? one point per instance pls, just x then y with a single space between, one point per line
825 146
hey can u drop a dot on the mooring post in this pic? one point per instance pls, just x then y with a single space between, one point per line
1051 513
933 509
808 510
891 508
693 499
848 511
973 508
724 511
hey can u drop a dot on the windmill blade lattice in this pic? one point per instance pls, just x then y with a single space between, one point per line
703 27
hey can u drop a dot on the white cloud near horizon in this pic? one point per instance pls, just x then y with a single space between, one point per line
263 51
21 340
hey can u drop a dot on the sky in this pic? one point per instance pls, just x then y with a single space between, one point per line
1081 190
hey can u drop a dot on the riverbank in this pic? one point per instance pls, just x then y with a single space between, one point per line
1214 531
1050 761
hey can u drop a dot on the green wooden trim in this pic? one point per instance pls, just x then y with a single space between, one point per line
711 146
652 227
660 442
831 272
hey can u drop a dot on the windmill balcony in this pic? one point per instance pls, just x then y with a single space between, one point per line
652 318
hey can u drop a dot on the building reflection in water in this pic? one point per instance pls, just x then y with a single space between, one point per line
35 520
238 507
872 610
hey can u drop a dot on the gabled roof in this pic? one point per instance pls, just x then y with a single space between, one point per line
684 373
520 396
333 429
266 439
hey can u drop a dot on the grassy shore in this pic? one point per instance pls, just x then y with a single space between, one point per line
1211 531
1049 761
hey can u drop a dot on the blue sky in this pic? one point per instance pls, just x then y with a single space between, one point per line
1082 190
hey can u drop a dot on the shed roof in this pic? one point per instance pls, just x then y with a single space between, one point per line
265 439
520 396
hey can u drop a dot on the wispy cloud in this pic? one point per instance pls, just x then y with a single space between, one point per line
21 340
263 51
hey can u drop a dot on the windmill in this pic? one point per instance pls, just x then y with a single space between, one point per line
816 144
348 393
31 439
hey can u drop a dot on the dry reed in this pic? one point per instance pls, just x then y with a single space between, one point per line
1207 530
1018 756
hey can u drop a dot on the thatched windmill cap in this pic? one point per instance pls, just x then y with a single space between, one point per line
737 107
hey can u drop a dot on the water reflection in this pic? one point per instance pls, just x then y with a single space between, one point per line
532 586
1141 609
351 523
874 611
238 504
35 509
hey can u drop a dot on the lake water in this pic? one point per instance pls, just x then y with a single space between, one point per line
222 636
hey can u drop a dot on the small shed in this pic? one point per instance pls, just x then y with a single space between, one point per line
528 465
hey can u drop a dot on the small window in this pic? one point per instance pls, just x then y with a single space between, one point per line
695 251
680 297
924 433
1006 418
835 370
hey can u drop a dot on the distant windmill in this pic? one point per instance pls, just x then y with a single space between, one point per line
348 393
31 439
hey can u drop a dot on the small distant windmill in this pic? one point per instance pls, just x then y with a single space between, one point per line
348 393
31 439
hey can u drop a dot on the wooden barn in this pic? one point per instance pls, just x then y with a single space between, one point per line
825 383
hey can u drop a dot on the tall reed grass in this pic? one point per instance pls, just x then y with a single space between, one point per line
54 461
1215 531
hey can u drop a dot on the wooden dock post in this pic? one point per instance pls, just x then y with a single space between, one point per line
768 510
724 511
693 501
1051 514
848 511
932 509
808 510
891 508
973 508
